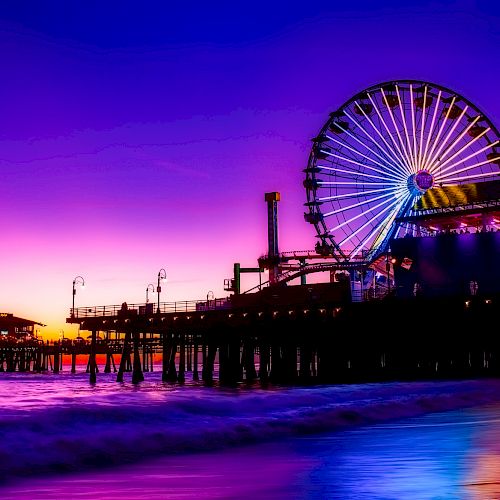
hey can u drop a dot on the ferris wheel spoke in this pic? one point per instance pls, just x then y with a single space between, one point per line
465 169
381 228
356 194
389 168
396 128
468 167
361 214
463 160
472 176
367 223
412 108
354 173
351 183
355 205
433 158
405 162
340 143
441 128
394 155
422 128
431 130
354 162
440 165
386 224
365 139
399 229
407 135
388 163
451 182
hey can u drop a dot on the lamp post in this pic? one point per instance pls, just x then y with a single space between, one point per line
77 281
162 275
210 296
149 287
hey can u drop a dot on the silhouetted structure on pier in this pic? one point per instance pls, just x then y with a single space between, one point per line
448 264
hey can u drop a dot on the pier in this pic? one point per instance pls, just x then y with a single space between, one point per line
413 286
296 335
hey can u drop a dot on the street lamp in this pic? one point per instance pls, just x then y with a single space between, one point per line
149 287
77 281
162 275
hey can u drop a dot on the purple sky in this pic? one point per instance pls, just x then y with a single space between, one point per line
139 138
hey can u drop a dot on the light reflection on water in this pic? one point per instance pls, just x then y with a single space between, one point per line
450 455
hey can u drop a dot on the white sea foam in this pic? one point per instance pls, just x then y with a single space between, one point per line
51 424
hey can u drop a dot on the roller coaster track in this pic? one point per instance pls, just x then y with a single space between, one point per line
293 273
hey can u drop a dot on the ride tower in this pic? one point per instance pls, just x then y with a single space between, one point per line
272 234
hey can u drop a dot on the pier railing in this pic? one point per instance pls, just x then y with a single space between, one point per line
150 308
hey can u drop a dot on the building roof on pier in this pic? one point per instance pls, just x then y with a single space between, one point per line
10 319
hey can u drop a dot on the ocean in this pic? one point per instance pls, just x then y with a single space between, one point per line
61 437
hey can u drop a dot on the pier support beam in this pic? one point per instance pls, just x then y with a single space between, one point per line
165 357
248 359
172 371
207 373
182 358
92 361
109 361
264 359
195 357
56 357
137 375
125 357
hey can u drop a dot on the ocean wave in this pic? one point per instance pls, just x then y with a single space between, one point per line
118 428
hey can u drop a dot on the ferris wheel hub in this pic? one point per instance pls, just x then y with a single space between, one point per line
420 182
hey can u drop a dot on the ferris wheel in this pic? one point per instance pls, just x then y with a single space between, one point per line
381 151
